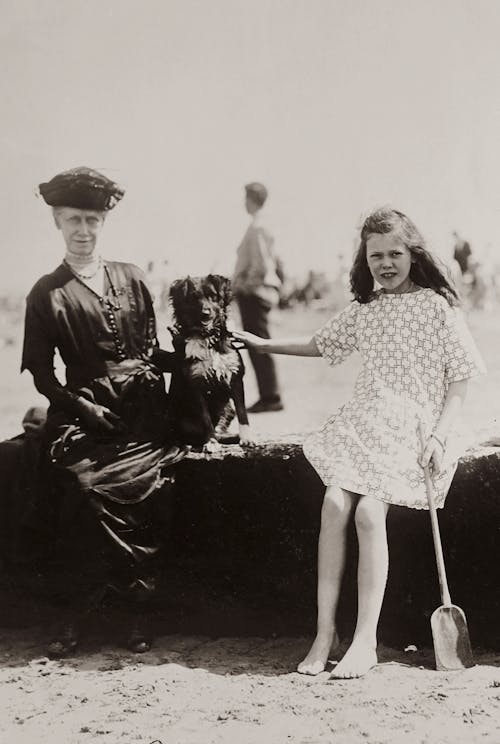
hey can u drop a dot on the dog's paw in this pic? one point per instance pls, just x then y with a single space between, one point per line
248 443
247 438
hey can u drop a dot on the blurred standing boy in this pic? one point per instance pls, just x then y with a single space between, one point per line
256 287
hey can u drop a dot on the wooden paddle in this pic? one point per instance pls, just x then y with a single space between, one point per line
452 647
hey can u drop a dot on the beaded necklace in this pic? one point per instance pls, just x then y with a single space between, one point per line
80 274
117 304
109 306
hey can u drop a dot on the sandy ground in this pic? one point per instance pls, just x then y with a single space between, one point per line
197 690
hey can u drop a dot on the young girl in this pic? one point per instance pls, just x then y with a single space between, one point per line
417 357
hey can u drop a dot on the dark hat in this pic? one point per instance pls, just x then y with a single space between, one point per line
257 192
81 188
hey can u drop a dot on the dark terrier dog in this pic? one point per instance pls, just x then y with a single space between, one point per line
207 371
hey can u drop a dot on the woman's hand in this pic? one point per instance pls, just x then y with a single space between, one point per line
250 340
99 417
433 455
34 421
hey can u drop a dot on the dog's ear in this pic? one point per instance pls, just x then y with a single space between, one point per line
176 291
179 290
222 286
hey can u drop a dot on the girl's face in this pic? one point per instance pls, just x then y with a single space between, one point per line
389 261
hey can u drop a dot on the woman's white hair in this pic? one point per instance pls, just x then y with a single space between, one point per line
57 210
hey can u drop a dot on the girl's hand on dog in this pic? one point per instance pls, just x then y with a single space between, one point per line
236 341
249 339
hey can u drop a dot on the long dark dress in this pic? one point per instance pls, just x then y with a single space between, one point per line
107 345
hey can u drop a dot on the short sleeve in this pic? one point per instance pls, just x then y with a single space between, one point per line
462 358
336 340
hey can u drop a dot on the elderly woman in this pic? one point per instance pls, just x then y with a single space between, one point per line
107 432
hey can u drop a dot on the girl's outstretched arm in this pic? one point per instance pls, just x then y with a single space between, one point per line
294 346
436 444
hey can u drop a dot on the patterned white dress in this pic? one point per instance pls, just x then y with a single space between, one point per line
412 346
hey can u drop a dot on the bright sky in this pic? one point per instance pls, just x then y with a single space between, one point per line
337 105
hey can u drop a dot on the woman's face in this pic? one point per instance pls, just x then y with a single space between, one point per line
389 261
80 229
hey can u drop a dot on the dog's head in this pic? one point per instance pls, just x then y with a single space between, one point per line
200 304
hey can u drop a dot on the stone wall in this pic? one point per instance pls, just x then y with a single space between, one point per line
247 525
242 551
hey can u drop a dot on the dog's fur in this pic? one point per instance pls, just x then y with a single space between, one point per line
208 371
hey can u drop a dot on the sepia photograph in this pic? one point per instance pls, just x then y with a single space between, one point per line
250 389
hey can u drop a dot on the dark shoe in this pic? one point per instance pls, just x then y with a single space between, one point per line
138 641
65 641
263 406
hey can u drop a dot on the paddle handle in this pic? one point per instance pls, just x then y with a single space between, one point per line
429 488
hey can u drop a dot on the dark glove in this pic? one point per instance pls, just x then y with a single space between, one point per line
98 417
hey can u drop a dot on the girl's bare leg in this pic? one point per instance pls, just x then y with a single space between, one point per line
337 508
370 519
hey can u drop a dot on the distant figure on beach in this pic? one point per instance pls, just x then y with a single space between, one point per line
417 357
473 284
256 285
106 431
461 252
158 277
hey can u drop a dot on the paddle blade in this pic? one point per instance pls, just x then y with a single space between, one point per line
451 639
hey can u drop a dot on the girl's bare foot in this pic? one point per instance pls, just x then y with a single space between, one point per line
358 659
317 658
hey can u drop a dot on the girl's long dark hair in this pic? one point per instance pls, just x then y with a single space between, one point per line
424 270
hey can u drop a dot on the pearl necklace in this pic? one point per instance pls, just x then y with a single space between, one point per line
79 274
